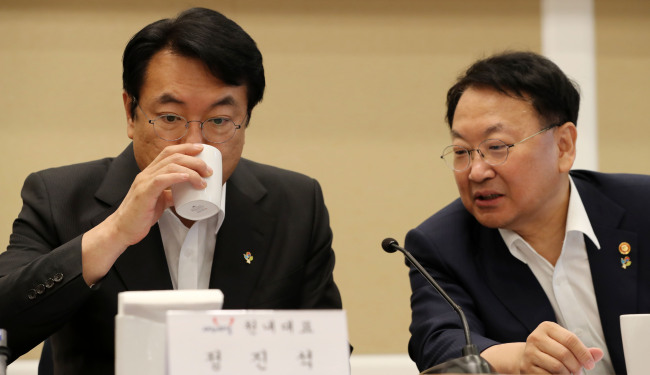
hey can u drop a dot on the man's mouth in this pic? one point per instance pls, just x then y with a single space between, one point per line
487 197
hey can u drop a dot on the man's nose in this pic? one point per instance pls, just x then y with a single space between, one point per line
194 134
479 170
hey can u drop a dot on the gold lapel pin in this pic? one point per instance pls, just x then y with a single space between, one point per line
624 248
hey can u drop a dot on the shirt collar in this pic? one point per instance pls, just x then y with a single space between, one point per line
577 221
577 218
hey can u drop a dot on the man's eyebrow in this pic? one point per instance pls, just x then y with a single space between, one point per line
489 131
226 101
455 134
169 98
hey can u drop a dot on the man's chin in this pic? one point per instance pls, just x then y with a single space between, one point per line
491 220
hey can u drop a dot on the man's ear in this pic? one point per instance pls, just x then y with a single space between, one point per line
566 136
130 116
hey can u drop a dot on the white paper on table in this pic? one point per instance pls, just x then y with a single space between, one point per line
271 342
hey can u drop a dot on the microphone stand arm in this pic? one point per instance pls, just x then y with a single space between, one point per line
471 362
469 348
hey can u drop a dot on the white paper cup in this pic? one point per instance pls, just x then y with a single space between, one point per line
198 204
635 330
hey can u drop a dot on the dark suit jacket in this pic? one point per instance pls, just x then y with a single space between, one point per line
500 295
277 215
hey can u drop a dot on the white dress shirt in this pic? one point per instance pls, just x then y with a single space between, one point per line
189 251
568 285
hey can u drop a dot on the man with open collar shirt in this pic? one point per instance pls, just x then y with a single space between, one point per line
541 258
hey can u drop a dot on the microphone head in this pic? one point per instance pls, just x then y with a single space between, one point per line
388 244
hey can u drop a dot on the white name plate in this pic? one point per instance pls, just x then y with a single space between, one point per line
278 342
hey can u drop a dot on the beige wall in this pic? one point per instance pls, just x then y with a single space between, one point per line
355 99
623 79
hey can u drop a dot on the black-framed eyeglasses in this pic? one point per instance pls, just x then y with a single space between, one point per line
492 151
171 127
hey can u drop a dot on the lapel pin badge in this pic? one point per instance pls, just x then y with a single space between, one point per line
249 257
624 248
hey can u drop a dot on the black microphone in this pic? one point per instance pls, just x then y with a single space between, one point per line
470 362
4 352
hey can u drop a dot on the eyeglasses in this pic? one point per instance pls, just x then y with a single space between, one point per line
172 127
493 152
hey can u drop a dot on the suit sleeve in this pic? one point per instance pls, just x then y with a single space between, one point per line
436 329
319 290
41 283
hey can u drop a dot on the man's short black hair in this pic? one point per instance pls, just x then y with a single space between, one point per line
524 75
227 50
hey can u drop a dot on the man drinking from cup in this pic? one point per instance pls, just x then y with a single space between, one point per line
89 231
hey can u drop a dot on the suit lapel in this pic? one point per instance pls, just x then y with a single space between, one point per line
142 266
615 287
247 228
499 269
118 179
